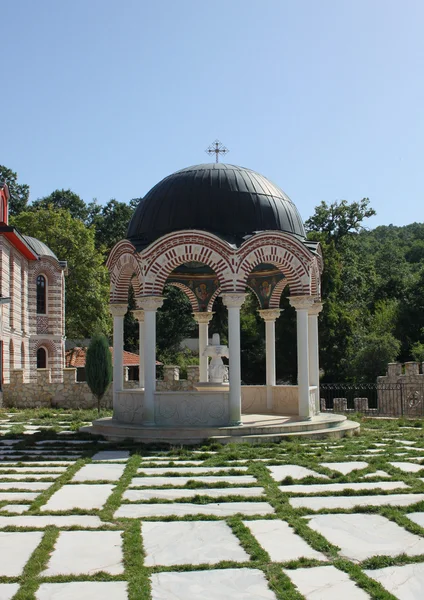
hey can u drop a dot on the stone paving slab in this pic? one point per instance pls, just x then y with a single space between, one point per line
319 488
345 467
405 582
86 552
279 472
175 494
223 509
361 536
190 542
416 517
83 590
25 486
216 584
180 481
16 549
17 496
347 502
82 495
184 470
42 521
280 541
325 583
407 467
99 472
8 590
112 455
8 468
377 473
16 509
25 476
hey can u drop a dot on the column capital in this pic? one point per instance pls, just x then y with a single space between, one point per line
203 317
233 299
138 314
118 310
269 314
302 302
150 303
315 309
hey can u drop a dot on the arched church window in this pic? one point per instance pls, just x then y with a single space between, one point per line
41 358
41 295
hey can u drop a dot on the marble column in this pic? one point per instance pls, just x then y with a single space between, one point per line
139 315
313 313
149 304
270 315
233 301
203 319
118 312
302 304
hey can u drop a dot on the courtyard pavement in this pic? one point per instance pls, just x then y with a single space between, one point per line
82 518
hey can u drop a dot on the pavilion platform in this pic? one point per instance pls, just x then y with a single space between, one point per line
256 429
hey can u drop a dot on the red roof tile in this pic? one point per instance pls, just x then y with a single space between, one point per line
76 358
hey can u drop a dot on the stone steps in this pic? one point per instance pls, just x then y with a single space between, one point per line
256 429
345 429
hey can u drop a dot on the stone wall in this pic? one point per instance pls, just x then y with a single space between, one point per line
43 392
401 390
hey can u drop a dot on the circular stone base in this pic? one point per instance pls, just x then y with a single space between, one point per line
254 429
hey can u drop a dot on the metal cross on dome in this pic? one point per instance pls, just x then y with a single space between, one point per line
217 148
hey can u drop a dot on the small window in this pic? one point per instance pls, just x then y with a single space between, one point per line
41 358
41 295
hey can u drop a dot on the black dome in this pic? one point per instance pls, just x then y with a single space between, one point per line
230 201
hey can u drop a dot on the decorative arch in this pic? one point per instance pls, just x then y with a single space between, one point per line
177 248
125 271
255 293
213 298
290 256
274 301
188 292
42 358
315 279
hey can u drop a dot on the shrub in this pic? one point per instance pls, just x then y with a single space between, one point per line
98 367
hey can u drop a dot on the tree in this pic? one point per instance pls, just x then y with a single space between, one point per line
339 219
111 222
19 193
98 367
66 199
87 283
174 323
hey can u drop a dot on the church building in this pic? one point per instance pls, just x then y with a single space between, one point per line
32 303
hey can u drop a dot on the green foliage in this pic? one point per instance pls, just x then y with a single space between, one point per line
98 366
174 322
87 283
64 199
19 193
111 222
339 219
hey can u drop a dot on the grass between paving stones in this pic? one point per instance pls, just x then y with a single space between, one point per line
60 481
115 499
294 451
29 579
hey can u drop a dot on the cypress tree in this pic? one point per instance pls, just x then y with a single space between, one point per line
98 366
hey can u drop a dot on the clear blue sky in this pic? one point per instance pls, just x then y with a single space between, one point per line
324 97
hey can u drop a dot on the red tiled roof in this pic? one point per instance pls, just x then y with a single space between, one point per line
76 358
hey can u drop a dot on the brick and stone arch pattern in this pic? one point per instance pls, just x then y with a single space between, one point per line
188 292
52 322
232 266
125 269
55 363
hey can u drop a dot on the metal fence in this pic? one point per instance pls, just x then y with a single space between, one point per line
379 399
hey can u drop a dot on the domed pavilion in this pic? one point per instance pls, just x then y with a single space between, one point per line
215 230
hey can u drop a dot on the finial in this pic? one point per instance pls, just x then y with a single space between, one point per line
217 148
